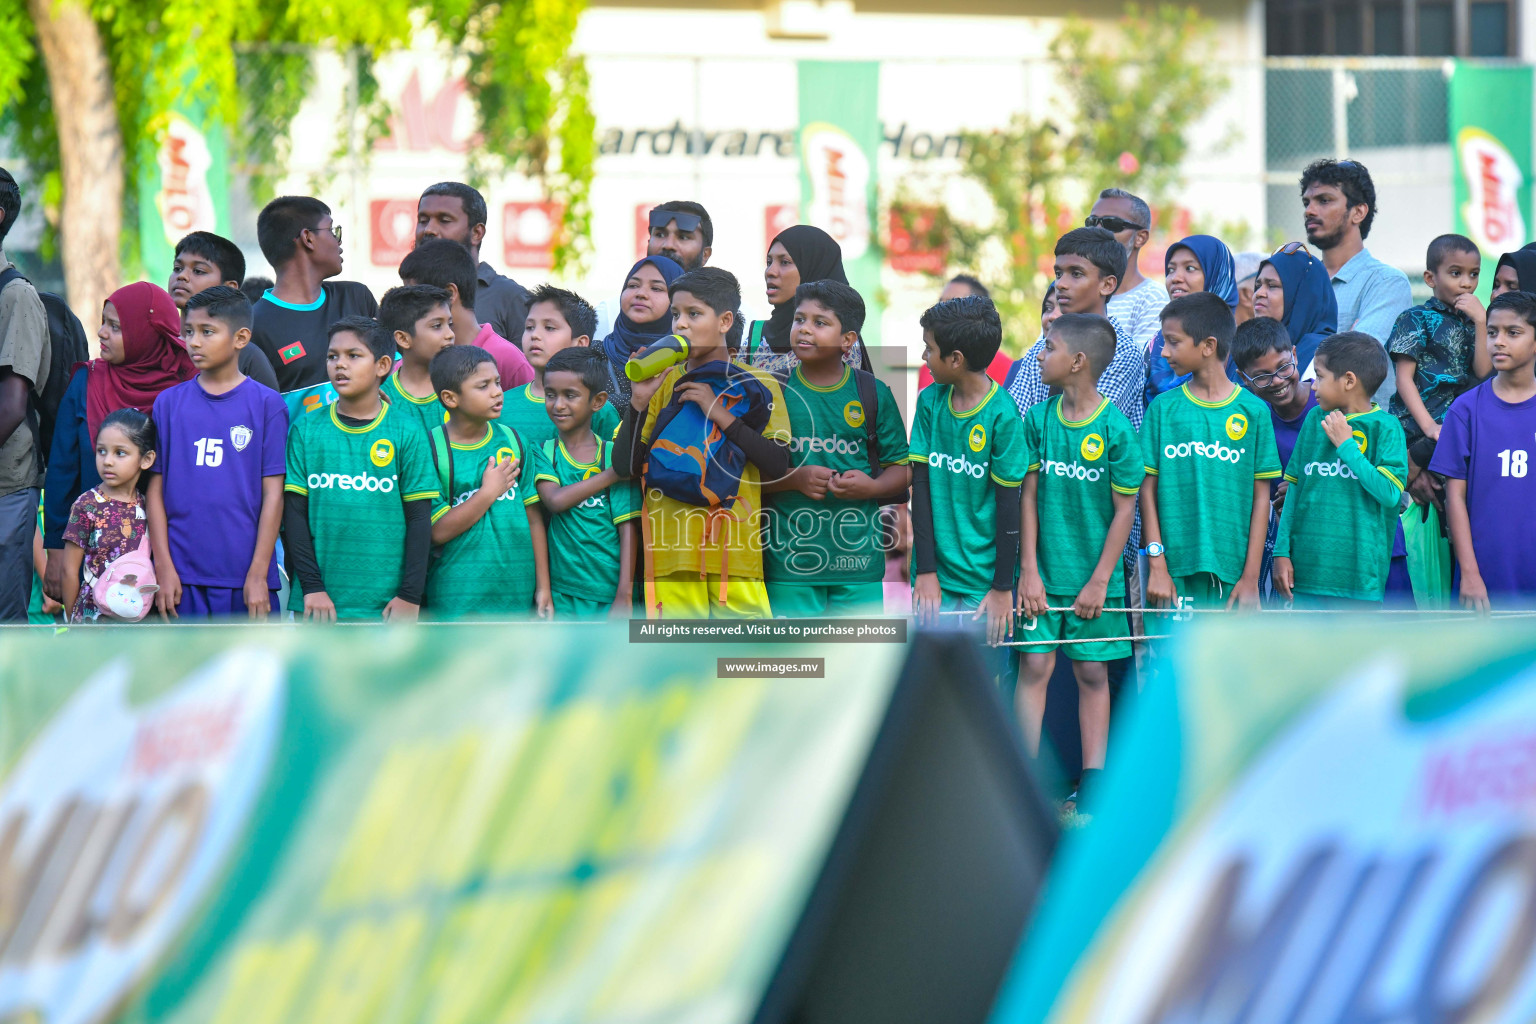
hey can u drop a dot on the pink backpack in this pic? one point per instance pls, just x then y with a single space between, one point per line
126 588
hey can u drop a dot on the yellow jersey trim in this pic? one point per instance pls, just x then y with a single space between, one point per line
949 402
1384 471
384 411
626 518
1210 405
1123 490
1288 478
1005 483
1355 415
478 444
1271 475
847 371
419 495
441 512
407 395
295 489
1081 423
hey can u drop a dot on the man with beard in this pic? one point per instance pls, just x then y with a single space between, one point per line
1338 202
679 230
453 210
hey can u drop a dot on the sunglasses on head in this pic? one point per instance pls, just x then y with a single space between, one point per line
685 221
1114 225
1290 248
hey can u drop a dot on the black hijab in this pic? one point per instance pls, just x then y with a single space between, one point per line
817 257
1523 262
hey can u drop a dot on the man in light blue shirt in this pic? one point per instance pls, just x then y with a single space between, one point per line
1338 205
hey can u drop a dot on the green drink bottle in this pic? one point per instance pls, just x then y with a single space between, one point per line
657 357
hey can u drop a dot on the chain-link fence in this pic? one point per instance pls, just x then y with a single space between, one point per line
1390 114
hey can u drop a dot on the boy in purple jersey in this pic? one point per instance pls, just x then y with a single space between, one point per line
1487 442
216 494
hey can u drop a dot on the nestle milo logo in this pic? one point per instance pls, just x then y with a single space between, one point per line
1492 210
115 823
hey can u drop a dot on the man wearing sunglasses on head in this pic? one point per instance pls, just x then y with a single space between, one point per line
679 230
1138 303
289 321
454 210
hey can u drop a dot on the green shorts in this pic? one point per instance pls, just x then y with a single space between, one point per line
1202 590
1057 626
569 607
813 601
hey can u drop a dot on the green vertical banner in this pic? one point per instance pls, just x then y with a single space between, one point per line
183 185
1490 125
839 151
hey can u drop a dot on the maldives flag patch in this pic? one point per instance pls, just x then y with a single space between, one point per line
292 352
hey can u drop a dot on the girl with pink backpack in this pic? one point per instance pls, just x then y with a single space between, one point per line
107 569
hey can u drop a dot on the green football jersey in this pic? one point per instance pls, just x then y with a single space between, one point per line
966 453
429 411
1341 506
584 541
1206 456
832 541
523 408
488 569
1082 465
357 480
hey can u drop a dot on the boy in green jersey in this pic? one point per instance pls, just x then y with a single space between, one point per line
1210 457
557 319
418 318
359 489
1334 548
824 554
968 461
1079 502
592 513
494 556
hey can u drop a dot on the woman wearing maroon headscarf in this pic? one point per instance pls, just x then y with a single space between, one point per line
142 354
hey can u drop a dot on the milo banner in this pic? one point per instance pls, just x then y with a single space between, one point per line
183 185
500 824
839 148
1325 823
1490 115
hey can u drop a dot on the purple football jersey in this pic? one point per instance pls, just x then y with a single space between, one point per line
214 450
1491 444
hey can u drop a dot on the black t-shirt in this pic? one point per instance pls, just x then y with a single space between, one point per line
293 337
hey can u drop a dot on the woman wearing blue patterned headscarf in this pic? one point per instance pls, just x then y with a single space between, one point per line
1199 263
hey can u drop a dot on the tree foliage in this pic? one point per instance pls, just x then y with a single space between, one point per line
530 92
1135 93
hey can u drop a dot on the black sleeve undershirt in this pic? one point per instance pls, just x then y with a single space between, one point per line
418 550
628 450
1010 514
299 545
770 457
925 554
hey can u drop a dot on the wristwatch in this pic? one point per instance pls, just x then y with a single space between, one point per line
1153 550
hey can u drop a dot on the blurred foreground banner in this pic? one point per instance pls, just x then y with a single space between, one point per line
489 824
1334 823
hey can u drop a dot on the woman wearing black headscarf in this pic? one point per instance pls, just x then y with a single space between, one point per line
1516 271
798 255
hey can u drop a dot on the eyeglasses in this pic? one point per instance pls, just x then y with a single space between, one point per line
685 221
1267 380
1112 224
1290 248
335 230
